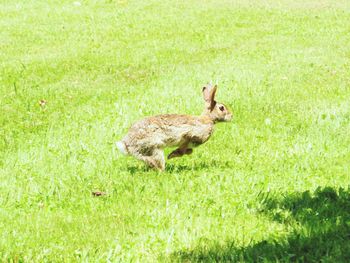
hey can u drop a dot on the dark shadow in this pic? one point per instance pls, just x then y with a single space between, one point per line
196 166
320 224
172 167
135 169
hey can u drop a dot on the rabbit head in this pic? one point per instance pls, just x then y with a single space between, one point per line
216 111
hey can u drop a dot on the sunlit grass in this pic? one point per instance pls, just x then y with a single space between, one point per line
248 194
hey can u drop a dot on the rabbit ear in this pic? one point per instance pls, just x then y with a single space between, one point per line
209 96
206 94
212 93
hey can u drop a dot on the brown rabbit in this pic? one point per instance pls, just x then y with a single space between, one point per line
148 137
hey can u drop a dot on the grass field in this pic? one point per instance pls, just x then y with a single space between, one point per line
272 185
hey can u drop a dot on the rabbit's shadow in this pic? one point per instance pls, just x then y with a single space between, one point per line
176 167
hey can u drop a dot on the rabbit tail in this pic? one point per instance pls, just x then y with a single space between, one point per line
122 147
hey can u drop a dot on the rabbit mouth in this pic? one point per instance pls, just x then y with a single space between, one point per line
228 117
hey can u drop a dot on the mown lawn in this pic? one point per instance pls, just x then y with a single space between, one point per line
272 185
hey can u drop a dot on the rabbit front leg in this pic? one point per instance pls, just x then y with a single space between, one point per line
180 151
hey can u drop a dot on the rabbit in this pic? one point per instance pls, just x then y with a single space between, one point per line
147 138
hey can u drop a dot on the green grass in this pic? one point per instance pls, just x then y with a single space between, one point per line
273 185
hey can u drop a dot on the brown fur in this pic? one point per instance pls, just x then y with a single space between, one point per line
147 138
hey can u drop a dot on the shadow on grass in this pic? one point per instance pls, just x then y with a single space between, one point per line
135 169
197 166
176 167
320 224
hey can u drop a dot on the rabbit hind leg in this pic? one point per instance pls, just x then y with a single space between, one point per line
158 159
153 159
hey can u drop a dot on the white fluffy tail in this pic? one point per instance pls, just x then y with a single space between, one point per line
122 148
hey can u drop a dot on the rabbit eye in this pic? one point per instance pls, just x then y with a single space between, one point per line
221 108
